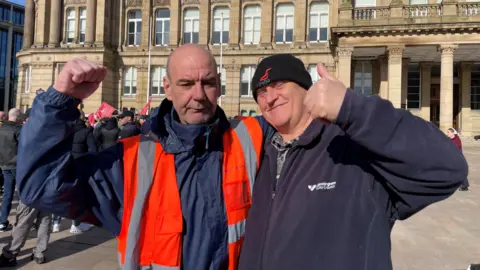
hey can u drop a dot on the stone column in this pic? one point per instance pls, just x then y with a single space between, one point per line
204 22
383 63
465 114
175 20
55 23
91 19
405 62
146 17
344 64
299 29
426 82
231 103
267 24
395 75
235 22
28 29
101 19
446 86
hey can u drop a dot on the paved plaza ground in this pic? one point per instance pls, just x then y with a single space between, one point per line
443 236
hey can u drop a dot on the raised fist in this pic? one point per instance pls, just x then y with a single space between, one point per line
80 78
325 98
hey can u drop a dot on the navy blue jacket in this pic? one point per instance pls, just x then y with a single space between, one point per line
91 187
344 185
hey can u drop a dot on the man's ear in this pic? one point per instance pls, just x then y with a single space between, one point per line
167 87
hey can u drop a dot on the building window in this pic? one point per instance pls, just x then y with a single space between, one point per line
82 25
134 27
4 13
252 113
251 24
162 27
318 22
157 81
70 25
223 77
312 69
221 23
28 79
413 87
130 82
60 67
284 23
191 23
243 113
418 2
363 78
475 88
246 74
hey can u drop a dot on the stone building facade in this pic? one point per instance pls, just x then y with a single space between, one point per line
423 55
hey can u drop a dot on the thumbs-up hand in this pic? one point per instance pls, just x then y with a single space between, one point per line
324 99
80 78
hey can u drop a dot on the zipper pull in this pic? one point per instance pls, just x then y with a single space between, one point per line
273 195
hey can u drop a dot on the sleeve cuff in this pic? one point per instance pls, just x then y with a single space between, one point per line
53 97
351 106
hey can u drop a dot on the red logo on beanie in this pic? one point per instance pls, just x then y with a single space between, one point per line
265 76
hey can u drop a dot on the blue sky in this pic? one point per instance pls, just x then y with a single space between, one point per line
20 2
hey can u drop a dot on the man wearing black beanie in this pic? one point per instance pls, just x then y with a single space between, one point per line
328 192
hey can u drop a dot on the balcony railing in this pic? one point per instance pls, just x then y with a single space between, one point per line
468 9
371 13
416 11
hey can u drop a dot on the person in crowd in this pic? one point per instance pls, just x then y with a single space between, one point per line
27 217
453 135
106 135
83 142
9 137
3 118
129 127
185 189
341 169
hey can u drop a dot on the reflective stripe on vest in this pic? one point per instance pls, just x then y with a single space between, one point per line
137 235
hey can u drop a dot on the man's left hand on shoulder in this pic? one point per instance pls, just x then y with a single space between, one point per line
325 98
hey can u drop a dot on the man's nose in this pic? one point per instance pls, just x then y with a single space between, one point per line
271 96
198 91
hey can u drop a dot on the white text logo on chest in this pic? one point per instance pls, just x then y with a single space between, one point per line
322 186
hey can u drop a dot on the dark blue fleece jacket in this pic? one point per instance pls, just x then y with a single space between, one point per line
343 186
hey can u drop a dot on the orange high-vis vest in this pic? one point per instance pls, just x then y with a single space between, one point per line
152 224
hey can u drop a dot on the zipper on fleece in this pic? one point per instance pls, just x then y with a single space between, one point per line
271 203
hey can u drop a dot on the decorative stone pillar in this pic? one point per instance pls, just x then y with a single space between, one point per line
267 24
383 63
426 82
405 62
465 84
446 86
205 22
299 30
175 20
344 55
231 101
395 75
55 23
235 22
28 28
91 19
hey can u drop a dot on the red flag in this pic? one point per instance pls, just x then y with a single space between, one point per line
91 119
105 110
145 109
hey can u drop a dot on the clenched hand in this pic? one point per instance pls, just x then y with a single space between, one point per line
80 78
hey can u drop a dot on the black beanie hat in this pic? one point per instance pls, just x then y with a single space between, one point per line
280 67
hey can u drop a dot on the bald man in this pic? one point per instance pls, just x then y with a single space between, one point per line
177 198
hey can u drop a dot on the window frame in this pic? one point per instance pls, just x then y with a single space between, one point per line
251 70
222 30
137 34
410 73
475 87
162 73
69 19
223 80
285 15
192 20
132 80
363 79
320 14
163 20
312 69
80 30
257 15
